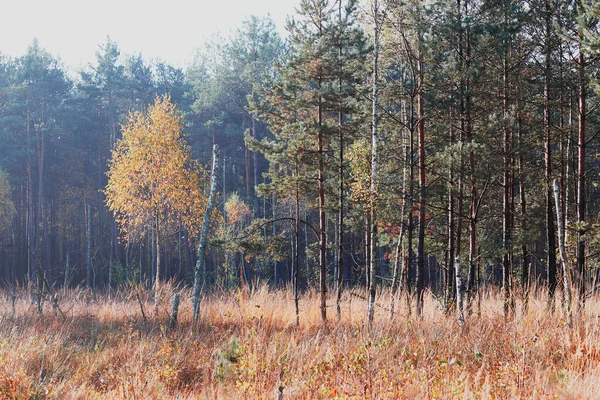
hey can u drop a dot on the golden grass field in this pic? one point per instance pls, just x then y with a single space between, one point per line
247 346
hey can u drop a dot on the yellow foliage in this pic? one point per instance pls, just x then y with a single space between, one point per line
151 176
359 156
236 209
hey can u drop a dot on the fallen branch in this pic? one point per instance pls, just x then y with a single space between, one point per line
365 299
137 295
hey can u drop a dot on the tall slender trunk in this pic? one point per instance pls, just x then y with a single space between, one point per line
113 223
67 262
88 258
296 265
550 231
507 183
458 281
321 193
322 213
179 252
254 172
581 174
459 295
368 252
525 264
408 263
203 240
570 166
471 279
41 209
459 223
563 256
454 272
399 256
31 219
421 238
127 265
276 272
307 263
373 190
340 223
158 266
563 146
152 253
450 275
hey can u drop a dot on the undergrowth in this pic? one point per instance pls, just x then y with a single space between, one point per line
248 346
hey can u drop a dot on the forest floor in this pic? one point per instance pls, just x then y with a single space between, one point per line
248 346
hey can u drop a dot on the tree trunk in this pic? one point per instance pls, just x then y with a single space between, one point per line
276 273
322 211
203 240
66 280
42 222
179 252
449 273
459 292
368 252
507 182
471 278
340 227
406 284
307 263
88 258
254 174
563 256
31 219
373 190
525 264
459 189
421 238
397 276
157 277
152 245
296 265
174 312
550 231
581 144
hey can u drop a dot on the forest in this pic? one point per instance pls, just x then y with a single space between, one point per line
405 161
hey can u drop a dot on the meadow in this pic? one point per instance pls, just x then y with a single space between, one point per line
247 345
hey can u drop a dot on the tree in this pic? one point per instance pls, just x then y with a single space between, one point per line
7 208
7 219
294 109
151 179
103 90
203 239
40 88
374 159
252 55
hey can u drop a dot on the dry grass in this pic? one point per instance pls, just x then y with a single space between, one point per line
248 346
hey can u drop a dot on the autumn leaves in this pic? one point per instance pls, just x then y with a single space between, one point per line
151 177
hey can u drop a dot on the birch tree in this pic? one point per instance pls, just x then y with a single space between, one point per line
152 180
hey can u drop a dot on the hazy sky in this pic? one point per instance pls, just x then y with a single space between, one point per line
168 29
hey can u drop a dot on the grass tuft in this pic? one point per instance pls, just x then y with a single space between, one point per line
247 345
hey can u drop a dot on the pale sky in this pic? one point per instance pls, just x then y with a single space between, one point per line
170 30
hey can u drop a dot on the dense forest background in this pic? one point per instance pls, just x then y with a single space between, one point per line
405 144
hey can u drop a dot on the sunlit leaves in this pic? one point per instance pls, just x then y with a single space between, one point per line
236 209
151 176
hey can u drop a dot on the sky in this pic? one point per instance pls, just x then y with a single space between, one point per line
170 30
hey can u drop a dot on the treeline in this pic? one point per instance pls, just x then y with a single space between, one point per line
57 131
403 144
